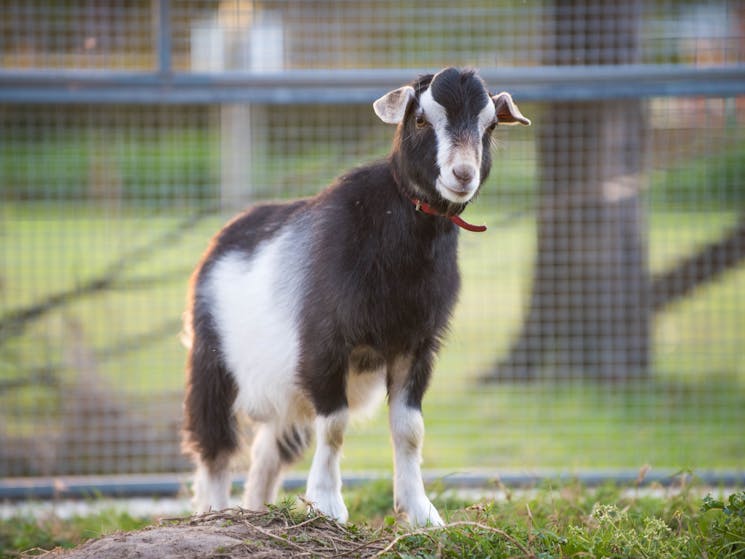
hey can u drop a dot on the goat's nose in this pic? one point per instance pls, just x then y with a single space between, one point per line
464 173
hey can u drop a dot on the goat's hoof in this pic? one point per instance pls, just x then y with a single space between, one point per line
424 514
329 504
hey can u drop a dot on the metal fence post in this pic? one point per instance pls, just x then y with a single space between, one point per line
256 44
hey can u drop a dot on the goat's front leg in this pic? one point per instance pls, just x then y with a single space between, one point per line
324 479
406 386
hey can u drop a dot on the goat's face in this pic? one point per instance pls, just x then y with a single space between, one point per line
444 131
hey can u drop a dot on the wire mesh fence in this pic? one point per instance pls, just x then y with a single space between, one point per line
602 317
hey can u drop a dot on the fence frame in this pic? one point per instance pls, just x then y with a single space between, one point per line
168 485
538 83
163 85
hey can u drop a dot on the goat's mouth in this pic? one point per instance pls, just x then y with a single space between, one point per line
457 193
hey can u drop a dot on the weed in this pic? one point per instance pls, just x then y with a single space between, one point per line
726 525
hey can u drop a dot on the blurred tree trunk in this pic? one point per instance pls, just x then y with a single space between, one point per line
589 313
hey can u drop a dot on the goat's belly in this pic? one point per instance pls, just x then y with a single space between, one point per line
366 380
253 300
365 391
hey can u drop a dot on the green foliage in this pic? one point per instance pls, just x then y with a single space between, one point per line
23 532
184 162
711 182
372 500
576 522
726 524
552 522
158 170
572 521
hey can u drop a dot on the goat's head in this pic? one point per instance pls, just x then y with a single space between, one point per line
442 145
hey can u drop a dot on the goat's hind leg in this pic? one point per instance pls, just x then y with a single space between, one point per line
211 441
212 483
210 427
273 449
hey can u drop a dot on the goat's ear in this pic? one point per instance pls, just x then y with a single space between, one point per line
507 110
392 106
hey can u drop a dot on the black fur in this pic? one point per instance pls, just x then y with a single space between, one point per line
292 443
383 277
209 424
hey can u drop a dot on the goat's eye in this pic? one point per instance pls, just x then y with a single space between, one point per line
420 121
491 127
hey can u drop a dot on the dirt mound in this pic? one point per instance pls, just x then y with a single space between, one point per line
235 534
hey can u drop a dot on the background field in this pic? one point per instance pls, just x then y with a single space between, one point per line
132 131
553 520
120 343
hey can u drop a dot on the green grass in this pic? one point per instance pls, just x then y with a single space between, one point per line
552 521
702 182
25 533
687 416
158 167
568 520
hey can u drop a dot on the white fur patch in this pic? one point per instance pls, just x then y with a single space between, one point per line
487 116
254 301
451 155
435 113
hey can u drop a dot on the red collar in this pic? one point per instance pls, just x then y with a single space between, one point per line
429 210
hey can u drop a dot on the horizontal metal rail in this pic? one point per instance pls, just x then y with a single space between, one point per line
541 83
161 485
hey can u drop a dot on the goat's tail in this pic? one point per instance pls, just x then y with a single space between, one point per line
210 431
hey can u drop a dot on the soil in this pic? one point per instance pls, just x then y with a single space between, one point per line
234 534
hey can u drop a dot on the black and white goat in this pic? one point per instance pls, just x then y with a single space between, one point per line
303 312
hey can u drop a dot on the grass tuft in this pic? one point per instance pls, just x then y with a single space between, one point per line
552 522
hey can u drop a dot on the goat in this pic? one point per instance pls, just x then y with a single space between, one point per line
302 312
